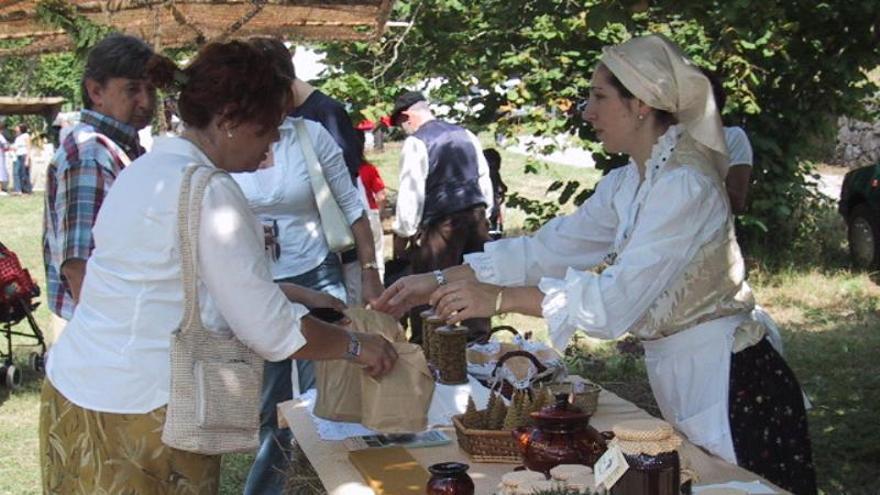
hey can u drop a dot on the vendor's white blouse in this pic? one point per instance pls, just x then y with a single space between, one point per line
679 210
283 192
114 354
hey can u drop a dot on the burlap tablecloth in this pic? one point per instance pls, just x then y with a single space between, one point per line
330 459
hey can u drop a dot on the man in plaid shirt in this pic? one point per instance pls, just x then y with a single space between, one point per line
118 101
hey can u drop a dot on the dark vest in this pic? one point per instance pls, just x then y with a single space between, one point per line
453 178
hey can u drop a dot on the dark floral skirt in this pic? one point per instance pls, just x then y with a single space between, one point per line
768 420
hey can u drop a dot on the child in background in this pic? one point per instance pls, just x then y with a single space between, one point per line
374 192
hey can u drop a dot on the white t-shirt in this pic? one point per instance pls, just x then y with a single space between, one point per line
283 192
114 354
738 146
21 144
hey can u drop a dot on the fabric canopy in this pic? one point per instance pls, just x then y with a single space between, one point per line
176 23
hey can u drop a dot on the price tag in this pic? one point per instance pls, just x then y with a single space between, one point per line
610 467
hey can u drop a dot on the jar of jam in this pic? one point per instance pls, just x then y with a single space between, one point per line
650 448
449 478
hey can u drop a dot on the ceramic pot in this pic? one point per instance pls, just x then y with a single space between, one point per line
449 478
561 435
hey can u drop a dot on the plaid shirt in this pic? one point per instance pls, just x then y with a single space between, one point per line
77 181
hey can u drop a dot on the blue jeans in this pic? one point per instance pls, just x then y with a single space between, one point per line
22 175
266 476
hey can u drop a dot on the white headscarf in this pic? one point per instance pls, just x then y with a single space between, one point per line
656 71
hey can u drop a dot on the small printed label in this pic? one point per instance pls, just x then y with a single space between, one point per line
610 467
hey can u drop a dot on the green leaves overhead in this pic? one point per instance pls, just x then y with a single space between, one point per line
518 66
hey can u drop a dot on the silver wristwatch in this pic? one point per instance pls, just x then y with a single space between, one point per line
354 347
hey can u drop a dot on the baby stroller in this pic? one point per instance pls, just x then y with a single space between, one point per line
17 293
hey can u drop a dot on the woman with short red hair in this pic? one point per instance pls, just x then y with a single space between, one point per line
108 377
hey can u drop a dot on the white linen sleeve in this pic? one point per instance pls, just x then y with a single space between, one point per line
485 180
738 146
336 172
683 210
580 240
235 271
411 191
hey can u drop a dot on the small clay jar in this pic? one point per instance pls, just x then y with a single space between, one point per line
650 449
449 478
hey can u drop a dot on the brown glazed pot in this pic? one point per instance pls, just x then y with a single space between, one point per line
561 435
449 478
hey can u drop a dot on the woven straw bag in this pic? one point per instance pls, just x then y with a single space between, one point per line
216 381
336 229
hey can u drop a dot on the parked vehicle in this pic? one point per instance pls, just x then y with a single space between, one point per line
860 206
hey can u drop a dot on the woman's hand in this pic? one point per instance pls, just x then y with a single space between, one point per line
407 292
377 354
463 300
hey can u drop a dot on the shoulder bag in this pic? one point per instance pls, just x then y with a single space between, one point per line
216 381
336 229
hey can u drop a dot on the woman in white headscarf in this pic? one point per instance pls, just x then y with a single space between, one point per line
651 253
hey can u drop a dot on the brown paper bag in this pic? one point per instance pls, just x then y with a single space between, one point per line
399 401
338 382
369 321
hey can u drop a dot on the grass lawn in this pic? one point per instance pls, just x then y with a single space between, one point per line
829 318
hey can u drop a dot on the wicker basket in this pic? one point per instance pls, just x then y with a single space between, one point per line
497 446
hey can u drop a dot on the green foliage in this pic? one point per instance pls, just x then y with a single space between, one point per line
84 33
58 74
517 67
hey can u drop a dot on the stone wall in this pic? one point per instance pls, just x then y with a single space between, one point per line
858 143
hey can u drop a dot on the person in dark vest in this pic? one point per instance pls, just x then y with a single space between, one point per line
445 192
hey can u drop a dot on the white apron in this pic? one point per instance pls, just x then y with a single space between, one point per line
690 376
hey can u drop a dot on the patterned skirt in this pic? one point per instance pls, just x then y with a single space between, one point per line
90 452
768 419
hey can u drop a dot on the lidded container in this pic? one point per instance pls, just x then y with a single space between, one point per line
650 447
448 354
449 478
430 322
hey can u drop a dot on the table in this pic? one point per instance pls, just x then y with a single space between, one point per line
330 459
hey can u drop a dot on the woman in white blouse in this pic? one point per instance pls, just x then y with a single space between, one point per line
107 387
651 253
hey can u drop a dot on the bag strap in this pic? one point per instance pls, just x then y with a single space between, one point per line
316 175
189 213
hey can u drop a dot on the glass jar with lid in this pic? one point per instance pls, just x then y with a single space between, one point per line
650 447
